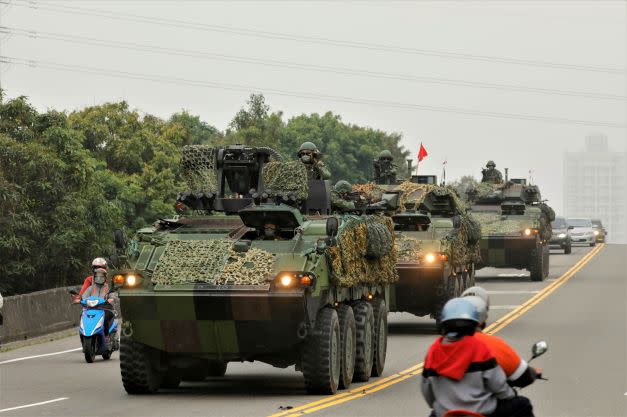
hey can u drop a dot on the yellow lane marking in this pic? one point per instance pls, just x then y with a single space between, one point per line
415 370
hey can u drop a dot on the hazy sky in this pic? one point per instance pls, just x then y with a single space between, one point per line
569 46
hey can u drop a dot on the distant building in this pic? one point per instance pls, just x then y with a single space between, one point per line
595 186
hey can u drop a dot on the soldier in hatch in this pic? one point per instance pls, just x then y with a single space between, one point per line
384 168
491 174
340 197
309 155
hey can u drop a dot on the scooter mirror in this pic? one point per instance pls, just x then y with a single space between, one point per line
539 348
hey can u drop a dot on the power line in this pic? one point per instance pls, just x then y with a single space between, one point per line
306 95
299 66
310 39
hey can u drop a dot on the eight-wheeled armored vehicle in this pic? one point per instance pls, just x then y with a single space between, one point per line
255 268
515 226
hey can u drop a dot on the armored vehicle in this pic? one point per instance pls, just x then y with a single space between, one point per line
515 226
255 269
436 242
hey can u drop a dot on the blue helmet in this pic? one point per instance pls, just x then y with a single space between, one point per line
459 309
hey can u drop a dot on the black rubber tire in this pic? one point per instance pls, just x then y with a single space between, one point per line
593 244
348 346
138 374
536 267
568 249
106 356
380 312
321 354
89 350
364 322
216 368
546 259
170 380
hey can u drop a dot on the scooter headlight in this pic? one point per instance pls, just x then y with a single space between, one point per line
91 303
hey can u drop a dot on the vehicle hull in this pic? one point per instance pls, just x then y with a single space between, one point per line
506 251
420 290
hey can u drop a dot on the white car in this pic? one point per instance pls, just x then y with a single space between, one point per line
582 231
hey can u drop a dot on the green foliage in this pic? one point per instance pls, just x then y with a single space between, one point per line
67 181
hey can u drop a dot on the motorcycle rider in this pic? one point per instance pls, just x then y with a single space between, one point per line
460 371
518 372
97 263
100 288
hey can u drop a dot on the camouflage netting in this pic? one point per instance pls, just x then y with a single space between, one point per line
350 262
408 249
198 168
213 262
463 243
286 177
493 223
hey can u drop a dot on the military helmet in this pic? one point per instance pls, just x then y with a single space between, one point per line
308 146
490 164
343 186
385 154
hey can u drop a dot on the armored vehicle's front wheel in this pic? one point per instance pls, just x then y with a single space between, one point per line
347 344
321 354
380 311
539 263
364 320
138 374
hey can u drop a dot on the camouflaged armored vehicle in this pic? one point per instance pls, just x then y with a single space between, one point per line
255 269
436 242
515 226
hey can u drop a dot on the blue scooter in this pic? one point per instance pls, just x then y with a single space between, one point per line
92 329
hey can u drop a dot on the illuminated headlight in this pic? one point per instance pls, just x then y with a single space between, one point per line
294 279
596 233
92 303
527 232
430 258
131 280
562 235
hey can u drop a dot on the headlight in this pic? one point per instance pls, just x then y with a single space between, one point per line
596 233
433 257
430 258
562 235
294 279
530 232
131 280
92 303
527 232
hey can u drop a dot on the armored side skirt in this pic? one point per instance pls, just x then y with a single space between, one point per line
219 324
506 251
420 290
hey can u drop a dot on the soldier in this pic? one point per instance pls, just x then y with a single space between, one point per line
309 155
491 174
384 168
340 197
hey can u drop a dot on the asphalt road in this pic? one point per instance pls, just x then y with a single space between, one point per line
584 320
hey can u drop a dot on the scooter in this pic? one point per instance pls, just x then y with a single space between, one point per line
537 349
92 330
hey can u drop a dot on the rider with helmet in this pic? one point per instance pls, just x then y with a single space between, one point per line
518 372
460 371
340 197
97 263
100 288
309 155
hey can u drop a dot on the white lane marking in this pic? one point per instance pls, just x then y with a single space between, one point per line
39 356
513 275
510 307
34 404
513 292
